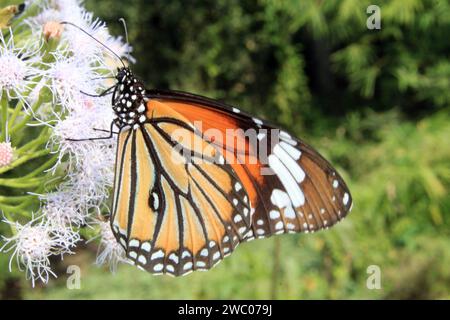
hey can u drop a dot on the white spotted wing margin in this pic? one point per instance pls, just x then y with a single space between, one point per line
194 213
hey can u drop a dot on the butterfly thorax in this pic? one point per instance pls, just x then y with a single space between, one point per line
128 101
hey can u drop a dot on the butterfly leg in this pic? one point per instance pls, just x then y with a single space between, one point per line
103 130
104 93
111 133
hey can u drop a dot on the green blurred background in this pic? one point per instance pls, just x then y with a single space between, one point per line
374 102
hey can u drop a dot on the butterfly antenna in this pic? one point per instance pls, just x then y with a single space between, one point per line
122 20
98 41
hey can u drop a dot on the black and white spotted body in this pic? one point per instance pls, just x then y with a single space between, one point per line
128 101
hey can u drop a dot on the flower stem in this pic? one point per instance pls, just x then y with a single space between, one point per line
15 113
14 199
28 116
21 183
33 144
4 113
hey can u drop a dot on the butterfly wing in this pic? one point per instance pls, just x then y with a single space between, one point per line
291 187
185 196
172 212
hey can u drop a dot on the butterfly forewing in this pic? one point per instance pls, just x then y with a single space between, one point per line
292 188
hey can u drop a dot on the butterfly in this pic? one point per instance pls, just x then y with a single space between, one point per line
190 185
195 177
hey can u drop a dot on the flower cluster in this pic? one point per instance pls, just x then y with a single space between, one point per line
50 74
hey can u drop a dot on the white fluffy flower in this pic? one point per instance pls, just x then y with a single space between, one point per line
76 70
17 68
95 176
119 47
70 77
54 10
82 125
109 251
33 244
89 163
61 209
80 44
68 8
37 22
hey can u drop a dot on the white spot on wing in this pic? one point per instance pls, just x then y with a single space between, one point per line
257 121
158 254
170 268
274 214
133 243
155 200
293 167
279 225
345 199
158 267
146 246
287 138
280 198
289 212
288 182
142 259
293 152
173 257
290 226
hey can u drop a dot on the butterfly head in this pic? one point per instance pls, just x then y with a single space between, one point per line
129 103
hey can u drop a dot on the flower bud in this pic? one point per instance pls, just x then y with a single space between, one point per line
52 30
6 154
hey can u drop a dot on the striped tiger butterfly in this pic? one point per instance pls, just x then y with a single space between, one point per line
195 177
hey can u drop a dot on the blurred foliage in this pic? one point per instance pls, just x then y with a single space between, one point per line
374 102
